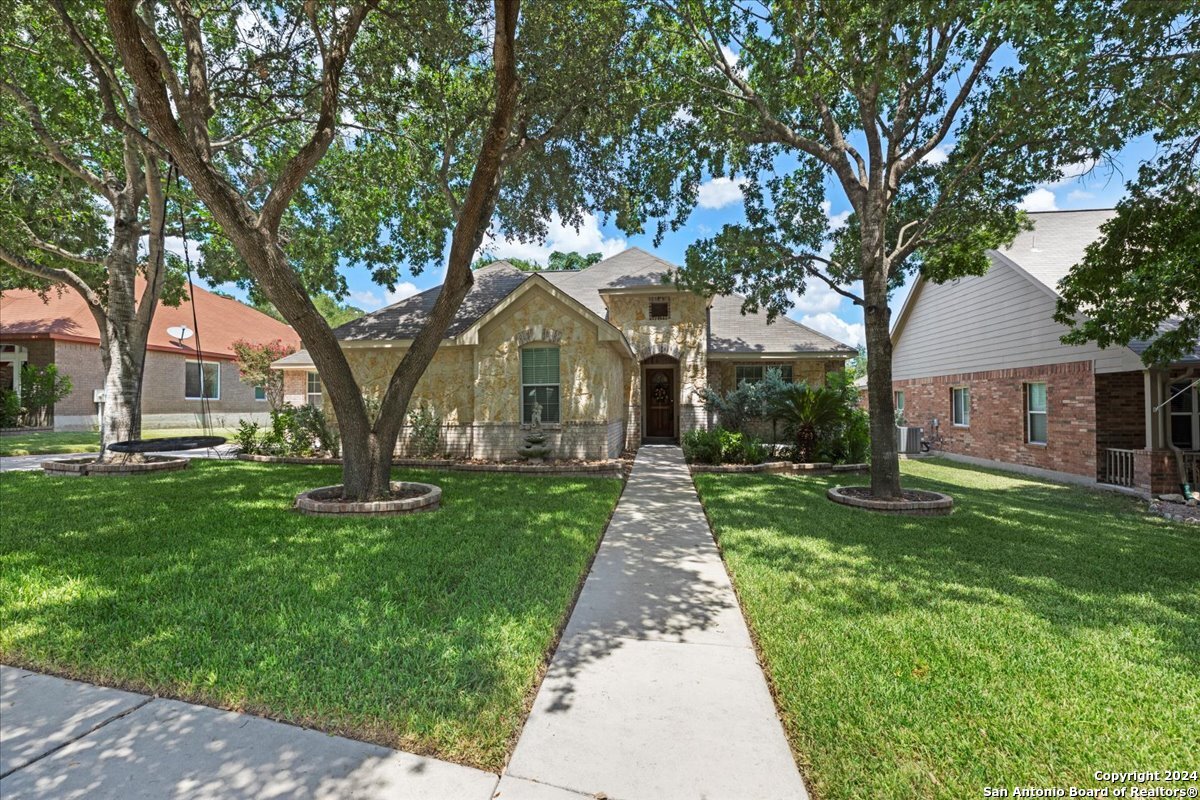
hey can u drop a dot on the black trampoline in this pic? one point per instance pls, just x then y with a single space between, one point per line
167 445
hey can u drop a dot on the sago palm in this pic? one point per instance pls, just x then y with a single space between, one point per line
809 411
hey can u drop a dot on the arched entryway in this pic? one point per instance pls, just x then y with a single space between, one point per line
660 399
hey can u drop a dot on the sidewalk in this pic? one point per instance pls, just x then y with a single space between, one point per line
655 691
63 739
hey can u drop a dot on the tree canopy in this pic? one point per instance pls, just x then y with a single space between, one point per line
557 261
1141 281
933 119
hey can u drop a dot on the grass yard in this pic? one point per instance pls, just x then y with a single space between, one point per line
1038 634
425 632
59 442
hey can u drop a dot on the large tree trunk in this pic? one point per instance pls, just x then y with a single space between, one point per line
885 463
123 332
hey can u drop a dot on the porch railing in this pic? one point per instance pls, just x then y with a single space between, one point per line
1118 467
1191 468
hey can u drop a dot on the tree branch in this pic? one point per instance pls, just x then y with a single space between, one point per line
51 144
56 250
55 275
302 163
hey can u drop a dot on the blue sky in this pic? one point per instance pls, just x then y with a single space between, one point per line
720 203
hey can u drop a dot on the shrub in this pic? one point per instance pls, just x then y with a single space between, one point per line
10 409
426 431
720 446
41 388
294 431
246 437
741 408
702 447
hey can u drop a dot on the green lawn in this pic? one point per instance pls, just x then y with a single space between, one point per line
57 442
425 632
1038 634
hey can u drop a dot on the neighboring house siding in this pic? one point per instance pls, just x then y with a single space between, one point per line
1000 320
997 421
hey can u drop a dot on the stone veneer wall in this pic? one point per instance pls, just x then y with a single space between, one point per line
475 389
997 415
684 336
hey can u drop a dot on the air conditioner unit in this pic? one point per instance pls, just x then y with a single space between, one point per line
908 440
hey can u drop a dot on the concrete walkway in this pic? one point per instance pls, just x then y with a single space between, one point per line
64 739
655 691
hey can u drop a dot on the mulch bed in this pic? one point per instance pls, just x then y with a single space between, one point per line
912 495
335 494
1176 512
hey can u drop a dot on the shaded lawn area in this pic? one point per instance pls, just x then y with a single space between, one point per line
1038 634
425 632
58 442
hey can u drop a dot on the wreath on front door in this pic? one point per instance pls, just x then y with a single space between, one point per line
661 396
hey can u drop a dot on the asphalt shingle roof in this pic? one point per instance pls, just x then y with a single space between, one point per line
731 331
404 320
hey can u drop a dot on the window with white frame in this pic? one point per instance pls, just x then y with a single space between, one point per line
540 383
899 403
1035 413
753 373
260 392
313 393
1185 415
960 406
201 381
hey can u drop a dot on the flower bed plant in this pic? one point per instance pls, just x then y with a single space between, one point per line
295 431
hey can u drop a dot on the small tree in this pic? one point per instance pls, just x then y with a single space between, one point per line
41 388
254 367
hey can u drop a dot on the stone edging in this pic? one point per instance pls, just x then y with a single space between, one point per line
78 467
600 469
431 500
780 468
943 505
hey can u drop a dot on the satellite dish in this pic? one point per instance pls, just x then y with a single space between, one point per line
180 332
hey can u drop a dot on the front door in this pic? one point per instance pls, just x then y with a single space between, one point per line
660 403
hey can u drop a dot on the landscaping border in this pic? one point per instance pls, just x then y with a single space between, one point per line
598 469
941 506
780 468
88 467
312 504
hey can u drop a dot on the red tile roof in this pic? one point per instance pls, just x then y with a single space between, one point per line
64 316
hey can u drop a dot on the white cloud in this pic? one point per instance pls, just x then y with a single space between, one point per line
731 57
937 155
1078 194
559 236
720 192
837 220
371 301
1077 170
852 333
817 297
1040 199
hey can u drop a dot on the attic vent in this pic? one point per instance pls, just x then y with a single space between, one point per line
660 308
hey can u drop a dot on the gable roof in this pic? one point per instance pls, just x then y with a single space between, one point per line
1056 243
404 320
731 331
1044 255
64 316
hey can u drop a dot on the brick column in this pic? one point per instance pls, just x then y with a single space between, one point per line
1155 471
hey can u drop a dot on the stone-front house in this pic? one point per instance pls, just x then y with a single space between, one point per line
979 365
613 354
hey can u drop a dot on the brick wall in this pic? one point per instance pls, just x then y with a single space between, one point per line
997 415
1120 411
